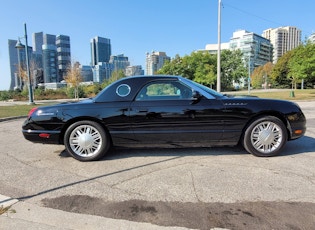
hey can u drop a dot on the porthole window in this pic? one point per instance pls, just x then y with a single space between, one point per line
123 90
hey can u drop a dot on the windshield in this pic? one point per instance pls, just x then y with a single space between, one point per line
204 88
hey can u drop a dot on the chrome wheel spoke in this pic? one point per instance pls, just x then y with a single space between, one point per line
266 137
85 140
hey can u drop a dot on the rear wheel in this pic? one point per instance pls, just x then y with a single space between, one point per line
86 141
265 136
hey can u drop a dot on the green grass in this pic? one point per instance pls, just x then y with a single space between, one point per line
18 110
306 94
15 110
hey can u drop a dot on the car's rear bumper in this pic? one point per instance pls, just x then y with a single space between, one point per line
42 136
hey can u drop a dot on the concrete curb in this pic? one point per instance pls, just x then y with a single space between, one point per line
12 118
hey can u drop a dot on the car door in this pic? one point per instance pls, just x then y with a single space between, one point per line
166 112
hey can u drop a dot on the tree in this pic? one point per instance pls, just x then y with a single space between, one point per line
22 75
280 71
116 75
302 64
198 66
74 78
202 67
261 76
257 77
232 68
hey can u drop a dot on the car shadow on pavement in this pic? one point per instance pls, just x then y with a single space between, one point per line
124 152
303 145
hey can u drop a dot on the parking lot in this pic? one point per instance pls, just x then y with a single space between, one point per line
194 188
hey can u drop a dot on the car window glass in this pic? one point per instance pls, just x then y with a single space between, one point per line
123 90
164 91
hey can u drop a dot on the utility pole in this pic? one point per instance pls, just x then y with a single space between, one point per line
219 49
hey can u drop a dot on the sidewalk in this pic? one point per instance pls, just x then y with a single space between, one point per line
23 215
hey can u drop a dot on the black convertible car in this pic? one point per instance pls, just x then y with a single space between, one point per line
165 110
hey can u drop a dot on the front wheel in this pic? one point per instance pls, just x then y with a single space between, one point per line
265 136
86 141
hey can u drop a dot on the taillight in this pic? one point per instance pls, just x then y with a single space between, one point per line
32 111
44 135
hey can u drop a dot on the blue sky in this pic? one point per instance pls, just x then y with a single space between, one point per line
139 26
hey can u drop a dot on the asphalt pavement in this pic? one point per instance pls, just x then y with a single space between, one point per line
288 177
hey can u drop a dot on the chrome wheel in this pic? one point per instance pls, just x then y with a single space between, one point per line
85 140
266 137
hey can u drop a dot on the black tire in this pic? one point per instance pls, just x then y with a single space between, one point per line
86 141
265 136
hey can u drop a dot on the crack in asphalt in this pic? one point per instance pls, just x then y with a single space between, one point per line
194 186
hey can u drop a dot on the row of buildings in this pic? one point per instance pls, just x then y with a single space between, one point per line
259 49
51 55
50 58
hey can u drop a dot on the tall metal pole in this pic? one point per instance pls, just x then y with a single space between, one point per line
219 49
30 88
248 79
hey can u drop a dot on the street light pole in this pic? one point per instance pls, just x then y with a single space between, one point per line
30 87
20 46
219 49
248 81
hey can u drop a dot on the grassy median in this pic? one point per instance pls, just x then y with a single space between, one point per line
18 110
306 94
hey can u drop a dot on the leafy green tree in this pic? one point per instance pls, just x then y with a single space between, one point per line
116 75
302 64
202 67
198 66
232 68
280 71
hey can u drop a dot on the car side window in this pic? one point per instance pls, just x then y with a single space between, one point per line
164 91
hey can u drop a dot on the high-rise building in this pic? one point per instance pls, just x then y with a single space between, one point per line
63 55
102 71
256 49
283 39
134 70
86 72
50 63
119 62
100 50
17 57
14 61
49 59
49 39
38 41
155 61
62 58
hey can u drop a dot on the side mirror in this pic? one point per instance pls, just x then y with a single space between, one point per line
196 96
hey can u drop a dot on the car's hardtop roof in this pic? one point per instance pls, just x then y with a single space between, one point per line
151 76
135 82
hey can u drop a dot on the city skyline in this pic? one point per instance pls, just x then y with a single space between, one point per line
137 27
